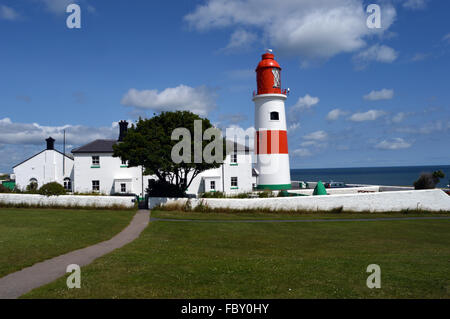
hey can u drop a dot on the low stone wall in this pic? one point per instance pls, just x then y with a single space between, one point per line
67 200
335 191
429 200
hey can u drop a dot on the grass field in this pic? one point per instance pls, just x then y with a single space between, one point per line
28 236
270 260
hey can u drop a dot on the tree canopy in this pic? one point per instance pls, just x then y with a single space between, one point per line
150 143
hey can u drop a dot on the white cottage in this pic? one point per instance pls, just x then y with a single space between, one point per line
96 170
45 167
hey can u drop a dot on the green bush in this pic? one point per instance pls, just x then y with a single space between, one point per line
265 194
428 180
213 195
52 189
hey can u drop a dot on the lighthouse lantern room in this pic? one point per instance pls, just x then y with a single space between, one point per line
271 144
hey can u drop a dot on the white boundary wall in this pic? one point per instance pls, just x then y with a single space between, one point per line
68 200
430 200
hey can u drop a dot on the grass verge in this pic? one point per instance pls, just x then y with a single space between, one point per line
28 236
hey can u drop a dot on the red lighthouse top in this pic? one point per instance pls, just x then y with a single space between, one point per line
268 75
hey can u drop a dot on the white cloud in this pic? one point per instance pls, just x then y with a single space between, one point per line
446 38
383 94
293 126
199 100
240 39
393 144
311 29
57 6
241 74
306 102
427 128
420 56
378 53
399 117
301 152
370 115
8 13
35 134
415 4
317 136
333 115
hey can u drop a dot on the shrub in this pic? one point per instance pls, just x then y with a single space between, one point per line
4 189
32 188
428 180
52 189
265 194
213 195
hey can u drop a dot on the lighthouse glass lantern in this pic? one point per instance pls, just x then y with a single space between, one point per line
271 145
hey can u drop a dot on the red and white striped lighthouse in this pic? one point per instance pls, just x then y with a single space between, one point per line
271 144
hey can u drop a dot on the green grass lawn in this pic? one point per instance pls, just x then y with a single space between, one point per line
28 236
270 260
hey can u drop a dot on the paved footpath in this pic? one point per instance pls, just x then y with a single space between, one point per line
16 284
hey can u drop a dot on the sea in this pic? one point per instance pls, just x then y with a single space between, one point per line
394 176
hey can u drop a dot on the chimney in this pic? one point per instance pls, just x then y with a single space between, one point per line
123 126
50 143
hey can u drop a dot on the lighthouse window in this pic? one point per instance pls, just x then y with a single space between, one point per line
276 78
274 116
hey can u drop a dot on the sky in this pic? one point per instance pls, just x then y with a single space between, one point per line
359 97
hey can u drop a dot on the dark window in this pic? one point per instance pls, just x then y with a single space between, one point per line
95 186
67 184
274 116
124 162
123 188
95 160
234 182
234 158
212 185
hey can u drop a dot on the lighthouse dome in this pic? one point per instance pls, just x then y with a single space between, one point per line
268 75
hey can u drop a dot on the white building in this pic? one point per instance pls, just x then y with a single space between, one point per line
96 170
47 166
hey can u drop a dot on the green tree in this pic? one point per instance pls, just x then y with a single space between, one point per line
428 180
149 144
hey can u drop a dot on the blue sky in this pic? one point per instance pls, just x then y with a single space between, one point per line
359 96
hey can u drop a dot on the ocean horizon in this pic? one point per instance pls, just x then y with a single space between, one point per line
390 175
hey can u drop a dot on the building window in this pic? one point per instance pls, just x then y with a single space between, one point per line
67 184
274 116
123 188
95 160
124 162
234 182
32 185
234 158
212 185
95 186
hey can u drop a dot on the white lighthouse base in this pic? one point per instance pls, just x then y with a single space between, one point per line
274 171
